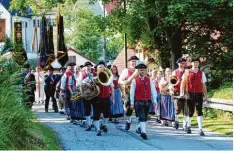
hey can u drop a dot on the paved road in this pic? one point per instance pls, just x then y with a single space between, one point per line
74 137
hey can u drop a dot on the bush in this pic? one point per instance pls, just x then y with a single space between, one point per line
18 129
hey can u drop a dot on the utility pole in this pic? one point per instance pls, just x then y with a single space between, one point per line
125 43
104 38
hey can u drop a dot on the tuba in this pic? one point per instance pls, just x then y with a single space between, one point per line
104 77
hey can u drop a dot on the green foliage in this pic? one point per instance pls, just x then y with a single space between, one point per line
114 46
17 130
224 92
8 46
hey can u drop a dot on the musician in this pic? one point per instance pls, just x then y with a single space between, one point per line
66 90
180 103
39 77
28 82
102 104
50 86
167 111
124 80
142 92
195 81
87 103
117 109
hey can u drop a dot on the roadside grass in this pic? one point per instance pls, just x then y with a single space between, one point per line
224 92
18 127
215 120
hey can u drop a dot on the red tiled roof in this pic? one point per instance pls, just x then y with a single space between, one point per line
110 6
119 61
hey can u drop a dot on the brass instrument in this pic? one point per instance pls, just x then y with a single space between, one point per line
173 80
125 88
104 77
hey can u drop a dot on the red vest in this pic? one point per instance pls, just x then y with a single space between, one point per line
84 75
157 86
143 91
179 75
129 74
68 74
116 84
104 91
195 82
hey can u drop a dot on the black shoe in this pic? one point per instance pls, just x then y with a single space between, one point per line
176 125
143 135
46 110
201 133
127 126
110 119
166 123
158 120
68 118
99 133
61 112
56 110
104 128
138 130
188 130
89 128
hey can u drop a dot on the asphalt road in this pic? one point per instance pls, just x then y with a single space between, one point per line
74 137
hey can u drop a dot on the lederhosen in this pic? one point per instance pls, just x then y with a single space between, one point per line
128 103
195 91
88 103
180 103
142 98
102 103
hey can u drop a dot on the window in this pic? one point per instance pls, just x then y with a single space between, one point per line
72 59
2 29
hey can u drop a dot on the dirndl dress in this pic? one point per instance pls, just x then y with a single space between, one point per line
117 109
77 111
167 108
152 109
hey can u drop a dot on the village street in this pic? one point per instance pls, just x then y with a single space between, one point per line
74 137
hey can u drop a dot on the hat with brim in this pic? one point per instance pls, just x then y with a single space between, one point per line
101 63
88 64
141 66
180 60
71 64
133 58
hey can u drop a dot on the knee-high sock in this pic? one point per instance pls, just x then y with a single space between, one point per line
105 121
97 125
189 121
199 121
129 119
137 122
176 117
185 120
143 127
88 120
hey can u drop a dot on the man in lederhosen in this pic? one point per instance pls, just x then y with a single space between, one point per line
194 82
50 86
180 103
142 92
102 103
86 73
124 79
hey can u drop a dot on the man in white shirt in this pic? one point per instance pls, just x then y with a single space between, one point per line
142 92
124 79
194 82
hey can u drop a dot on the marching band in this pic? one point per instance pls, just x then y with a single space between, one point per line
93 95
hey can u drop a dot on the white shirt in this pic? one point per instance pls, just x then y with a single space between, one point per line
133 89
123 76
63 82
203 76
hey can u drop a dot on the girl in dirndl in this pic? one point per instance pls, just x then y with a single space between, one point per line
117 109
77 111
167 109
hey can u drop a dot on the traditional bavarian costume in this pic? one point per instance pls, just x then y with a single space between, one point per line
142 92
195 80
126 73
117 109
39 94
180 103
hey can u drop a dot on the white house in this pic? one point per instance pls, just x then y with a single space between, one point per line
74 56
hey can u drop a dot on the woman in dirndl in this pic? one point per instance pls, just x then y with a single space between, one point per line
77 111
117 109
167 109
